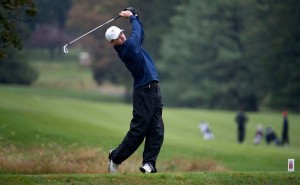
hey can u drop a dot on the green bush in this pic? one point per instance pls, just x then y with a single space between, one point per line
15 70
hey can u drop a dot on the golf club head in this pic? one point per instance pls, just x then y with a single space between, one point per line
66 49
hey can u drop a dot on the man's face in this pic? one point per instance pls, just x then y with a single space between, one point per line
120 40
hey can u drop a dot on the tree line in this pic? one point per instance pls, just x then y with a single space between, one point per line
238 54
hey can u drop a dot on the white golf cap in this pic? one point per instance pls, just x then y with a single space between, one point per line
112 33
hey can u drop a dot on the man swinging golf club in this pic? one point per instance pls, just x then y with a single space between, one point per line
147 103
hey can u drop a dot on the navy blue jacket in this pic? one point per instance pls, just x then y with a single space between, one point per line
137 60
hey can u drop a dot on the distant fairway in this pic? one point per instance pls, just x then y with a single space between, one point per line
63 125
67 128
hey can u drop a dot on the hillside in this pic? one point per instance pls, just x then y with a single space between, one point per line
82 129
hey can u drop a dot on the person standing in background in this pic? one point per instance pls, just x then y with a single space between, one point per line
241 120
285 129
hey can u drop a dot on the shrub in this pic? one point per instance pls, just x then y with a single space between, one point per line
15 70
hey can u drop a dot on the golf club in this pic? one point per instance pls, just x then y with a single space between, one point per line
65 46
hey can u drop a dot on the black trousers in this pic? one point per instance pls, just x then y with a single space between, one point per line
285 137
147 123
241 134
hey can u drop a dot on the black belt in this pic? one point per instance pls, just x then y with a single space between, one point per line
151 85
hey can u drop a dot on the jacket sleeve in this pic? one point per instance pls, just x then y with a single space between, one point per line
137 34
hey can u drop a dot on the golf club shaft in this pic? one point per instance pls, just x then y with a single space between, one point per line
93 30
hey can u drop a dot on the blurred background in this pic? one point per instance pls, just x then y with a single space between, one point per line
237 54
62 113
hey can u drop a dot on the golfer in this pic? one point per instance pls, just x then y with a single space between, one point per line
285 129
147 102
241 120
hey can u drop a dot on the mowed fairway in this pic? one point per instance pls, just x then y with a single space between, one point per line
32 119
60 131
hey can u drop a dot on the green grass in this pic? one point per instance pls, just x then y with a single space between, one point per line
215 178
30 117
50 116
63 74
62 126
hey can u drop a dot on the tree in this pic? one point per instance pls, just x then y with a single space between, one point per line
53 12
15 70
156 16
275 45
47 36
11 13
48 28
203 57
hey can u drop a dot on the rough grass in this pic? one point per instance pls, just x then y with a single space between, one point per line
54 159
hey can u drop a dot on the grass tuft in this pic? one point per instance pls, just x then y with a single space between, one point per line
48 160
55 159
